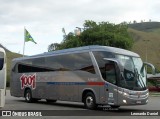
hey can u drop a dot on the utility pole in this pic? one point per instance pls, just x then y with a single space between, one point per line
146 49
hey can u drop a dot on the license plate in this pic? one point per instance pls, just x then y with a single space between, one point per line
138 102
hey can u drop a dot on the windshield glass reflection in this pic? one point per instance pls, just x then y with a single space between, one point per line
133 76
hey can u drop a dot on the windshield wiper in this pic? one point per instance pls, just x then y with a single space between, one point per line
137 78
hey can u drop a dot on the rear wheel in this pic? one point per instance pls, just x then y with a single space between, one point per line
89 101
49 101
28 96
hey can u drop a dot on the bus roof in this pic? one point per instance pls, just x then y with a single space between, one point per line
83 49
2 50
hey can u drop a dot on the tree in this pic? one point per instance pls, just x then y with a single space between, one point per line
102 33
134 22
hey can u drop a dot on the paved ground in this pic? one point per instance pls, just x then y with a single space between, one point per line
13 103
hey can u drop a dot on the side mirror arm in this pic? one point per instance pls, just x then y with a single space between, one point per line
151 65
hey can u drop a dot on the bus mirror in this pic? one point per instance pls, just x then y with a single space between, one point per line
116 62
150 65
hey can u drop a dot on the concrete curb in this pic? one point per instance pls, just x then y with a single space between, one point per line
156 94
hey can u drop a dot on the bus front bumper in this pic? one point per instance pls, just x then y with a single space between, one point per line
136 99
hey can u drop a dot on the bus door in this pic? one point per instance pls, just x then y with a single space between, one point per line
111 83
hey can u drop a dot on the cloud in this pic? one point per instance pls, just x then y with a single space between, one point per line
45 19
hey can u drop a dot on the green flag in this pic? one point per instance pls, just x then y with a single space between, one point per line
28 37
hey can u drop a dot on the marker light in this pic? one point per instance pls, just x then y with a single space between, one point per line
124 101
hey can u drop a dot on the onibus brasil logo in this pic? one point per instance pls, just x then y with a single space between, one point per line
28 81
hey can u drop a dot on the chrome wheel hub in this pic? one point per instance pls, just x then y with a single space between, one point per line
89 101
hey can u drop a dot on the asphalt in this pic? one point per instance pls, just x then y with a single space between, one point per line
74 108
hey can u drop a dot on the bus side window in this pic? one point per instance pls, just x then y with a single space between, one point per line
1 60
110 72
1 63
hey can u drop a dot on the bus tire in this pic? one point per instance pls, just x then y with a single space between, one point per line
90 101
50 101
28 96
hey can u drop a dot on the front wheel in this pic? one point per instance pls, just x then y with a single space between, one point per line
28 96
90 101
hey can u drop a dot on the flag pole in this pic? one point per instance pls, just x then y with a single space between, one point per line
24 41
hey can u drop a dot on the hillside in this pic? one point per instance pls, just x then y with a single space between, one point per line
145 26
10 56
150 38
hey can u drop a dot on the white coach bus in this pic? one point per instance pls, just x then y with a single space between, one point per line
94 75
2 76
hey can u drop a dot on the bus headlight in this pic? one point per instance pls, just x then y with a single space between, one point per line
147 94
125 94
124 101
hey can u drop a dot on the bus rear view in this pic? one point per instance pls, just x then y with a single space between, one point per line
2 77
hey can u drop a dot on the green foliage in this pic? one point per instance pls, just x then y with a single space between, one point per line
103 33
153 83
153 38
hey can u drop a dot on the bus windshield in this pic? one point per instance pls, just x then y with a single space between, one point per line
134 75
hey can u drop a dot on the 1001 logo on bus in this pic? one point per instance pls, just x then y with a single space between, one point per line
28 81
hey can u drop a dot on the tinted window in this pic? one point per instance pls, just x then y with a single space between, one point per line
99 55
110 72
70 62
1 63
28 68
1 60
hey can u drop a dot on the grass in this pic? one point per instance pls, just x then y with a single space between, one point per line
154 94
149 40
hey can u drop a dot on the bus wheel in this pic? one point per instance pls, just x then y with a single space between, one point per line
90 102
28 96
49 101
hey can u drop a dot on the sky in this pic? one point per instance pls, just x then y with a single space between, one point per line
44 19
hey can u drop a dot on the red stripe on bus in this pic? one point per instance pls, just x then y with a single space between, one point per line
96 83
